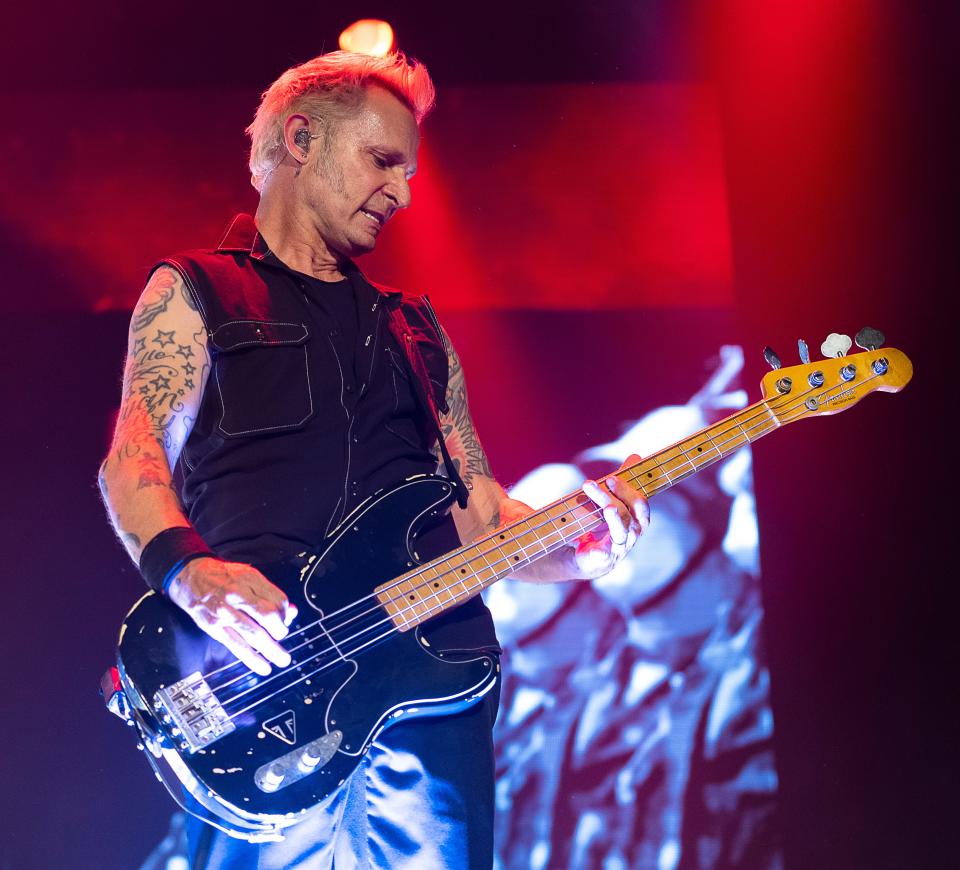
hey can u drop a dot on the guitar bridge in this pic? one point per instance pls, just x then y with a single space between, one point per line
192 712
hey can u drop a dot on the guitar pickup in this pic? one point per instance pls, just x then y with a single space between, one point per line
192 713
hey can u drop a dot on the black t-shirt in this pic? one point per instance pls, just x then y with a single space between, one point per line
261 498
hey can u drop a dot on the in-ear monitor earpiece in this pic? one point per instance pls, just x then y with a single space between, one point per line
302 138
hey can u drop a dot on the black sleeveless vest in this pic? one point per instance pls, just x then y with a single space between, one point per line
300 421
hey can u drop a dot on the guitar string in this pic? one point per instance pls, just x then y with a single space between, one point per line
594 520
450 558
767 419
764 413
765 408
553 541
382 636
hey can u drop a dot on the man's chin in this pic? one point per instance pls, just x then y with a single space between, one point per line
352 247
362 244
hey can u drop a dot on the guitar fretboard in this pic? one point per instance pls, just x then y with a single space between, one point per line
455 578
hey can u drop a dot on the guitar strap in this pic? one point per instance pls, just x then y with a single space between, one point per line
420 379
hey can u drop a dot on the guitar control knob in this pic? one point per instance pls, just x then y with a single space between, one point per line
881 365
310 759
848 372
272 777
815 379
785 385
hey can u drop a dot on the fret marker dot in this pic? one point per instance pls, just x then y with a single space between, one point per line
412 598
502 538
563 519
649 474
516 558
699 450
436 585
463 570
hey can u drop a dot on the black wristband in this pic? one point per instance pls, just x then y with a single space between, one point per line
166 553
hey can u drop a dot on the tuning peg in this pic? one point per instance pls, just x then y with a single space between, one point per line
835 345
804 351
870 339
770 355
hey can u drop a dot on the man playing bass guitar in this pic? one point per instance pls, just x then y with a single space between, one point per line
269 389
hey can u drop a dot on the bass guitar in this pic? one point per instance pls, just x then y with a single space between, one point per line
258 752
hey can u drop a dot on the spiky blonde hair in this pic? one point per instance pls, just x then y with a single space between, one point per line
331 86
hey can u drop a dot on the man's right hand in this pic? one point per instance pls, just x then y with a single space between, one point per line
236 605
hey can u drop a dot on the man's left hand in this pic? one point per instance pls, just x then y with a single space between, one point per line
627 516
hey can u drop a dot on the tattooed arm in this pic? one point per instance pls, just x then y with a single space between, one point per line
163 381
489 505
624 508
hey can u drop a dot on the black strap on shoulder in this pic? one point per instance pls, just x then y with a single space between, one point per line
421 381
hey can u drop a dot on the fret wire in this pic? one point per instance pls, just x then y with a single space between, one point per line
686 458
437 579
464 570
713 444
485 554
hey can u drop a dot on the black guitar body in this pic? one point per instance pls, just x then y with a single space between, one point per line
259 752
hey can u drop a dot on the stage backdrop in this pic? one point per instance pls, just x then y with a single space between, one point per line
575 243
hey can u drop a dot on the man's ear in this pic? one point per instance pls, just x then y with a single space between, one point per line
297 137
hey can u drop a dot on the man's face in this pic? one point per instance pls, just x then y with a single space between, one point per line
360 175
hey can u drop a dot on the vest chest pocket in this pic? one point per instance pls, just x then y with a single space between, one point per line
262 377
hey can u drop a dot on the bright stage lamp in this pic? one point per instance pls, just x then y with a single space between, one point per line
368 36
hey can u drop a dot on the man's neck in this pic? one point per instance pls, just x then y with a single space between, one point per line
296 242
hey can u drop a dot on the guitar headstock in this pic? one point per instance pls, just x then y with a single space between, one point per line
834 384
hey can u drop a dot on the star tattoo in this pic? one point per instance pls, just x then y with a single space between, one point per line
163 338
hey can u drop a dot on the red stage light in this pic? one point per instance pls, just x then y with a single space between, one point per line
368 36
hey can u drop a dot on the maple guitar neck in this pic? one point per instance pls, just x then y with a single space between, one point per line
814 389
